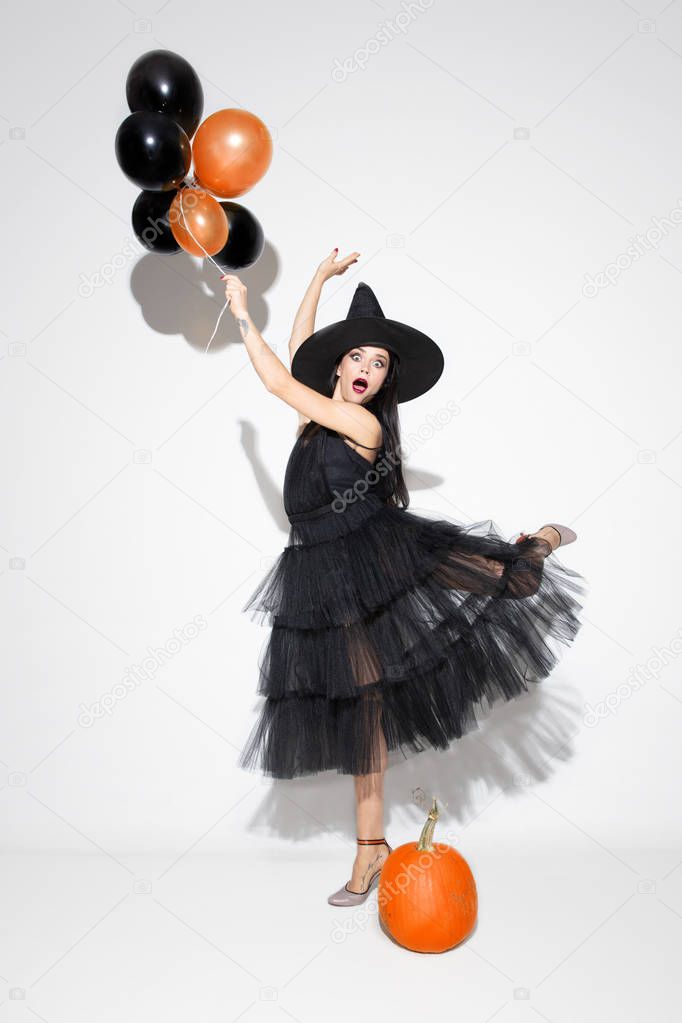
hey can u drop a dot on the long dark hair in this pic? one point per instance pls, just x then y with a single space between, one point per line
384 405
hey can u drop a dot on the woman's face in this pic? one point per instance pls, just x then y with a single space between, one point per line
362 365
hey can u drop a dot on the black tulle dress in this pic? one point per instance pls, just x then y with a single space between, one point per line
390 628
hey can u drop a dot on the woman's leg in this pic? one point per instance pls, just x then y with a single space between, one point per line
369 821
486 575
548 533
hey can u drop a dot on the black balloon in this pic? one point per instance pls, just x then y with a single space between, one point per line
150 221
153 151
245 241
164 82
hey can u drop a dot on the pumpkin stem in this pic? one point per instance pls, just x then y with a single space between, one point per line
425 842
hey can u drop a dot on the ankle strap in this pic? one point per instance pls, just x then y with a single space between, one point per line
370 841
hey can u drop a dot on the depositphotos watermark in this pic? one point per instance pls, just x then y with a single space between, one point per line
388 30
640 674
144 672
135 246
387 463
639 245
107 271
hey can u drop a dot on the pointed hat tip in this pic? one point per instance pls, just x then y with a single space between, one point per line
364 303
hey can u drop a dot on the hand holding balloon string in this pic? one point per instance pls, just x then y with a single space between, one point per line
235 292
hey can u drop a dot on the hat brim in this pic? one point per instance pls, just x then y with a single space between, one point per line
421 360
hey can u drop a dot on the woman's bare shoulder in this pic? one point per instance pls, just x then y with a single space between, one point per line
374 439
379 433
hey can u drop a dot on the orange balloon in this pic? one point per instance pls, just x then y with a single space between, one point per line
232 150
194 210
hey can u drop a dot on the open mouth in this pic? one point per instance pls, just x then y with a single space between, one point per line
360 385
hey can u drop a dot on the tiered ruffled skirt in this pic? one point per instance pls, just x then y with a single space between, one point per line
390 629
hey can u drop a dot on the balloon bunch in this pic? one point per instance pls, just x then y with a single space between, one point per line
232 150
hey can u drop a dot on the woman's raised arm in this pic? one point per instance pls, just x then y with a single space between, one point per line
345 417
304 321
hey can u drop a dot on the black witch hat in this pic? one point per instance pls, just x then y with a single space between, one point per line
421 360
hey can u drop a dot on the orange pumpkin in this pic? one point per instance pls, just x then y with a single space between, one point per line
427 894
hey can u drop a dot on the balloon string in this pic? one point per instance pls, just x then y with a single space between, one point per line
209 256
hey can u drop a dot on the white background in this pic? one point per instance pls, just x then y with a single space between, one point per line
486 162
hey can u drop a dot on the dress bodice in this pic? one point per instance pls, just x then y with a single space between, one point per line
343 465
323 466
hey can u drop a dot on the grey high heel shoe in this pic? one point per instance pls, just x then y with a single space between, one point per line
346 896
566 534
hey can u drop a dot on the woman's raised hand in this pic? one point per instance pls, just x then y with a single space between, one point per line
330 266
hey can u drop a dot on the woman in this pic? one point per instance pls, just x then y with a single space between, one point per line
389 628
